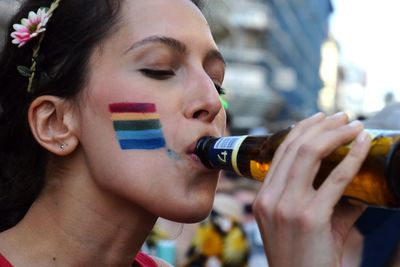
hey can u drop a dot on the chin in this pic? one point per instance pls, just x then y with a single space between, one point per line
187 213
198 216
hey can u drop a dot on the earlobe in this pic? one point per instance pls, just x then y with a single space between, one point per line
51 120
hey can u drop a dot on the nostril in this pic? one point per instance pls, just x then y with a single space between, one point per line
200 114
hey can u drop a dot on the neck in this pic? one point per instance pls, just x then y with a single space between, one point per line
68 226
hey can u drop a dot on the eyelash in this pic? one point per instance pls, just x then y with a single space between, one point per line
165 74
158 74
220 89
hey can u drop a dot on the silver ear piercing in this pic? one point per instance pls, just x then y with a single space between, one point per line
62 146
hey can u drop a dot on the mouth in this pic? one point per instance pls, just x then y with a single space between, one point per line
192 155
189 155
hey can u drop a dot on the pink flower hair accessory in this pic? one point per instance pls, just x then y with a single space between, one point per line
29 29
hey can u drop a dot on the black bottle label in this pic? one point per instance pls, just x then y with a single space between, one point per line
223 154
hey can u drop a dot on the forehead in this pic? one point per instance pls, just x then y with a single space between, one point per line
179 19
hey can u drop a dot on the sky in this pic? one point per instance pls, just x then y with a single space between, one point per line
368 32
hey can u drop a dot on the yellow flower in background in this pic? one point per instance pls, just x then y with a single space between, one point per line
208 241
235 246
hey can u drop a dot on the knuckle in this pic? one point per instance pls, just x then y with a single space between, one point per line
301 124
303 219
307 150
283 215
306 220
262 206
355 155
341 175
291 148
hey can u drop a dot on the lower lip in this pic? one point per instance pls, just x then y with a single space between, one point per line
194 157
193 160
197 162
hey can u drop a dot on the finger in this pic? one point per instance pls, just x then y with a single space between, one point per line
305 132
296 131
333 187
310 154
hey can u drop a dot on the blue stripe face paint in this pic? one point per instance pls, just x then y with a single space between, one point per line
144 134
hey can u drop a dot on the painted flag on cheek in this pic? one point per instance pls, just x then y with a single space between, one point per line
137 125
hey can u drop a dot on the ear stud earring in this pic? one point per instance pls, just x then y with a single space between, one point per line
62 146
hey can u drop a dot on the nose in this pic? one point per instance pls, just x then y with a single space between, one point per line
203 101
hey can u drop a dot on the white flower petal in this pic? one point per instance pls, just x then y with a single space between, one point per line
25 22
45 20
32 16
18 27
44 13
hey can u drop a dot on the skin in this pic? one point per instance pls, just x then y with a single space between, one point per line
302 226
100 202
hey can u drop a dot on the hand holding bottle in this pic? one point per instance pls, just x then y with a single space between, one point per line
302 226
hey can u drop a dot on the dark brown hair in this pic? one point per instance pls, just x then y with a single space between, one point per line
72 33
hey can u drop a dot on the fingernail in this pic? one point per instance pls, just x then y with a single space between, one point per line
361 137
338 115
355 123
318 114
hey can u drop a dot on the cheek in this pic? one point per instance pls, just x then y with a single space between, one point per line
137 126
221 121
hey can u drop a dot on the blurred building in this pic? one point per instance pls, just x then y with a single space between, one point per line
351 90
330 76
273 50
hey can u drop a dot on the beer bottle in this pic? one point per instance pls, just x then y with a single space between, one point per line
376 184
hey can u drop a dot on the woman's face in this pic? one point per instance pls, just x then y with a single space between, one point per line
151 95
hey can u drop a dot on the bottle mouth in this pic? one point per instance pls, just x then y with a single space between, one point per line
201 150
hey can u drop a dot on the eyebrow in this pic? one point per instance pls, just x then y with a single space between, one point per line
170 42
175 45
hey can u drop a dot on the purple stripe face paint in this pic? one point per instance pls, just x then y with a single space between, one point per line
132 107
137 126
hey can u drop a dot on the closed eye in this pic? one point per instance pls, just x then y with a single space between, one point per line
220 90
158 74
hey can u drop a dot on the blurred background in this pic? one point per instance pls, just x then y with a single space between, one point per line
288 59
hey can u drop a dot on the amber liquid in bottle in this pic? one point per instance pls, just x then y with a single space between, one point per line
377 182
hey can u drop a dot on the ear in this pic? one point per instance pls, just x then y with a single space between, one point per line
53 125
